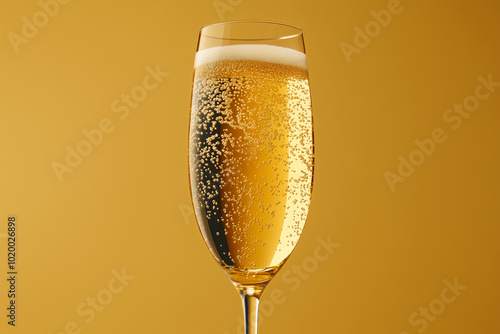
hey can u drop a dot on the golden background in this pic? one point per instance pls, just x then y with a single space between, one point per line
377 255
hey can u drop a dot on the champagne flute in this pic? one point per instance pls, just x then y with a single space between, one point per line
251 152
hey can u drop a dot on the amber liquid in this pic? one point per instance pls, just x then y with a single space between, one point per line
251 163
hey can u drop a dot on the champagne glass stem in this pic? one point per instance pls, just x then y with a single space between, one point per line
250 299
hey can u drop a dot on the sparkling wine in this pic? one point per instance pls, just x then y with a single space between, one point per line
251 155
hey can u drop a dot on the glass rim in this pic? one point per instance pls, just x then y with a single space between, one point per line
298 33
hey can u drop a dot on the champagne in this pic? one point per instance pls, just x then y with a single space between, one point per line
251 155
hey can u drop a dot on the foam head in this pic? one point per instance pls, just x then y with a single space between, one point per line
257 52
